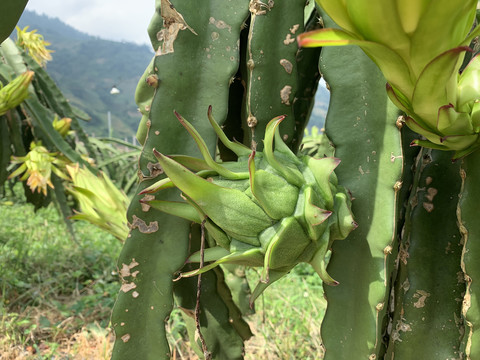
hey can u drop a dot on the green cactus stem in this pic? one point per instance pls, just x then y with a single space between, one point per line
427 318
467 216
158 243
361 125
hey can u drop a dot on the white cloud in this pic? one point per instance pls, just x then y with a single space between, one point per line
109 19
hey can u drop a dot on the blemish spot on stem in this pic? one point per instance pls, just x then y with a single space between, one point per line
422 296
173 22
125 270
125 338
289 39
428 206
285 94
219 24
431 192
155 169
257 7
143 227
287 65
144 200
128 286
294 28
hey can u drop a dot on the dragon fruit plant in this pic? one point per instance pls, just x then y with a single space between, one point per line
407 277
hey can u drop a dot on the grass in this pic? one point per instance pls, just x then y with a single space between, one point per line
288 317
56 296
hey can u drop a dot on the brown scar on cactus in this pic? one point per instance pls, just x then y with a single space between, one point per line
126 287
173 22
142 226
287 65
422 296
144 202
431 192
125 338
219 24
285 94
257 7
125 270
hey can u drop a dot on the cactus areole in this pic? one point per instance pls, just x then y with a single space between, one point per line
270 209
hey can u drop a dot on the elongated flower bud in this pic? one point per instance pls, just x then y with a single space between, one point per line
272 209
13 94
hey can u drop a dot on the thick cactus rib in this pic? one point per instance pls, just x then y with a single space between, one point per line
361 124
469 225
271 67
427 321
197 54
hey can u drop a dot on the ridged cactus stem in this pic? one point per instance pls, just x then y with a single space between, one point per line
361 124
467 214
427 321
197 54
271 67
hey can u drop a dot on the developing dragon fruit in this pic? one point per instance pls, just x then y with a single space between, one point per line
270 209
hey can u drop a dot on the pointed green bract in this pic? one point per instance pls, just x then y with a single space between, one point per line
222 205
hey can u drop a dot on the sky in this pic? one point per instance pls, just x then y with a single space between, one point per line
120 20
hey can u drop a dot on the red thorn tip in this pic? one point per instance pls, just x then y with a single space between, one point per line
179 117
413 143
156 153
355 224
335 283
209 112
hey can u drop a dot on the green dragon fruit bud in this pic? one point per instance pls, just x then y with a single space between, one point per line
419 45
270 209
62 125
101 202
12 94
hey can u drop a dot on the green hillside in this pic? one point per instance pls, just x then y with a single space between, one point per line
86 67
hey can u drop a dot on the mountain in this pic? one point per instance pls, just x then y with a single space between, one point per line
86 68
